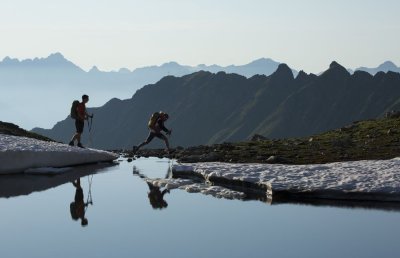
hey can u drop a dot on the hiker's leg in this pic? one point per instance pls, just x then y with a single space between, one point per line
73 137
78 137
79 129
147 141
163 137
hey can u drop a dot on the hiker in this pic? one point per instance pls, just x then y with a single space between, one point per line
78 112
77 208
156 125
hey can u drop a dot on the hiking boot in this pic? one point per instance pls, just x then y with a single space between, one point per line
71 143
80 145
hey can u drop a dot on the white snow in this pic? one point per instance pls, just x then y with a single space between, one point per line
18 154
373 177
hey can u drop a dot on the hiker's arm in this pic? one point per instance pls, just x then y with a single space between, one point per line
162 127
87 114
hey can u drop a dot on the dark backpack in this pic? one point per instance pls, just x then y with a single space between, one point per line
74 110
153 120
72 209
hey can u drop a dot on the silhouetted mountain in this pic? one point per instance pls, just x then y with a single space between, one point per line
385 67
210 108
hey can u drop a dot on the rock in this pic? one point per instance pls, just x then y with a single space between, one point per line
258 137
392 114
347 128
272 159
130 160
212 156
342 142
191 159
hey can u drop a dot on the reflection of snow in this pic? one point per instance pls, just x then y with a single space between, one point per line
192 187
18 154
380 179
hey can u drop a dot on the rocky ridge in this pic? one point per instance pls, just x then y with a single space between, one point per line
361 140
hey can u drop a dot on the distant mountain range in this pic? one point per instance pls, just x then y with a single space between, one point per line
56 66
54 82
210 108
385 67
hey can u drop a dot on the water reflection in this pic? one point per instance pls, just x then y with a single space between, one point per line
78 206
17 185
194 184
155 195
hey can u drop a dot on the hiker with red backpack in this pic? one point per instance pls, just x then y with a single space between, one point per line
78 112
156 125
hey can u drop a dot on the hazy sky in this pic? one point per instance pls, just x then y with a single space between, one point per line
306 34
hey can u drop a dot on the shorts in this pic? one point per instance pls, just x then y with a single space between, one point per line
79 125
153 134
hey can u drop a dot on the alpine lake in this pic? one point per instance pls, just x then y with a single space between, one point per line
121 215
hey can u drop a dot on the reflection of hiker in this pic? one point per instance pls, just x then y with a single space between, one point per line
156 125
156 197
77 208
78 112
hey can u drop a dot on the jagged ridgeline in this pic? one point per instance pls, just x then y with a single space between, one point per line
208 108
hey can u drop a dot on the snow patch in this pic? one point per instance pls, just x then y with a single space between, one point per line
18 154
381 177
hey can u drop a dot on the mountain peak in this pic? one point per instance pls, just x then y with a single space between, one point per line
335 64
170 64
8 60
301 76
263 61
94 69
55 58
283 71
387 65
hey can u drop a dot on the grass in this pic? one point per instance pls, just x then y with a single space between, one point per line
372 139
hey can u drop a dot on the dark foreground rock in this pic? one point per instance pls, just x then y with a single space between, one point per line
372 139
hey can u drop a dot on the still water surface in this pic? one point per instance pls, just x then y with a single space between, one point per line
36 221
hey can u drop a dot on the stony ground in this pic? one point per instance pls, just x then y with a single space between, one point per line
371 139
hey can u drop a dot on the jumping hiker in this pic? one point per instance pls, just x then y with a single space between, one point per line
78 112
156 125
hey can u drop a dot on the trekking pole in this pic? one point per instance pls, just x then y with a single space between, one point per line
89 198
90 124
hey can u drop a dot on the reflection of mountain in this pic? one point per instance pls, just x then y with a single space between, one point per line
16 185
210 108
